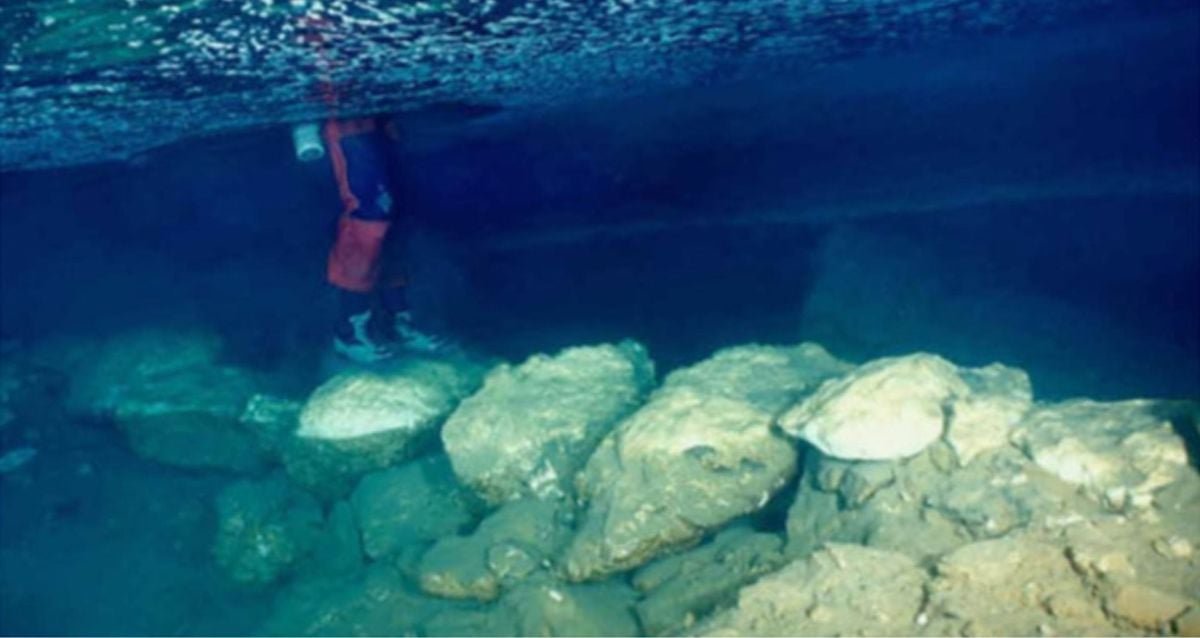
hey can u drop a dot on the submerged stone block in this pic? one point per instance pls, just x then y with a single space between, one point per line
515 542
264 529
887 409
700 453
367 420
409 505
530 428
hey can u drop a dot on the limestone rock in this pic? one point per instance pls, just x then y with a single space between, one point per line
264 528
924 506
680 588
685 463
338 550
102 373
1016 585
271 420
375 602
840 590
530 428
700 453
191 418
1145 607
889 408
412 504
983 419
366 420
768 377
545 607
1119 453
509 546
167 392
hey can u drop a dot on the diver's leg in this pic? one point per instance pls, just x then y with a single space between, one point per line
358 155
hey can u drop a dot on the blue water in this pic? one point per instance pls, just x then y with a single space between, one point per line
1031 198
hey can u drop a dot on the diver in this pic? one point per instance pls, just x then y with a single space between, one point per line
374 319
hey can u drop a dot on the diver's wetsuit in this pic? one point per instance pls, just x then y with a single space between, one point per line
360 156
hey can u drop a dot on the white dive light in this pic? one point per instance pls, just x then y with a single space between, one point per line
307 140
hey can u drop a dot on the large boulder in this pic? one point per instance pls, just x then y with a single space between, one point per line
102 372
167 391
681 588
842 590
530 428
700 453
409 506
889 408
192 418
264 529
516 542
366 420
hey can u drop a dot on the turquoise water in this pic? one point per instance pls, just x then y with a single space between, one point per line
990 182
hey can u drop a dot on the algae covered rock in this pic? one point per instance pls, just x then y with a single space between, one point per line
840 590
412 504
366 420
264 529
889 408
377 601
530 428
103 372
192 418
28 391
680 588
515 542
543 606
700 453
168 393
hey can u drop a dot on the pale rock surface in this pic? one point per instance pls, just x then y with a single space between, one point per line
366 420
685 463
998 399
886 409
700 453
530 428
404 399
1119 453
768 377
1016 585
839 590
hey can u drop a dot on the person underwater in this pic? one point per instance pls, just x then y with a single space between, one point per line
374 319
